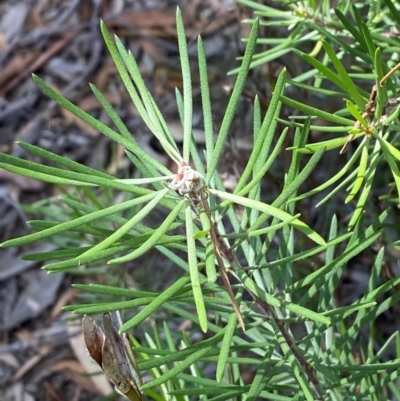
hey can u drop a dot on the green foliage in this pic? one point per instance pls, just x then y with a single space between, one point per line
268 248
362 34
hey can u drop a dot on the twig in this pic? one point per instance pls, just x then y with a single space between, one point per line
221 251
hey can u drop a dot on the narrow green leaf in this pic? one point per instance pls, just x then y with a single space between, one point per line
206 102
351 28
259 383
152 116
60 254
326 145
115 291
355 113
178 368
54 179
393 10
194 271
262 231
210 263
260 172
205 223
233 101
388 152
266 58
319 128
328 36
255 5
86 117
318 278
120 232
390 148
111 306
251 286
139 152
381 92
187 86
226 346
360 174
144 104
338 188
336 177
136 241
322 68
305 254
123 73
349 85
367 36
393 116
266 134
370 174
164 297
153 239
69 225
308 110
63 161
329 93
270 210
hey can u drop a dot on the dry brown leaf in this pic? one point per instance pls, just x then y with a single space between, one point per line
89 366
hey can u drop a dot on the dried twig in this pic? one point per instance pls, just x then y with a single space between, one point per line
221 251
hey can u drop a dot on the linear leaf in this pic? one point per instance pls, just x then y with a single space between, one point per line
194 271
187 86
226 346
63 161
155 304
68 225
120 232
349 85
205 99
265 134
233 101
153 240
270 210
179 367
362 168
308 110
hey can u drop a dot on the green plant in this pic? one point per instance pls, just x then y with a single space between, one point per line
356 34
263 250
